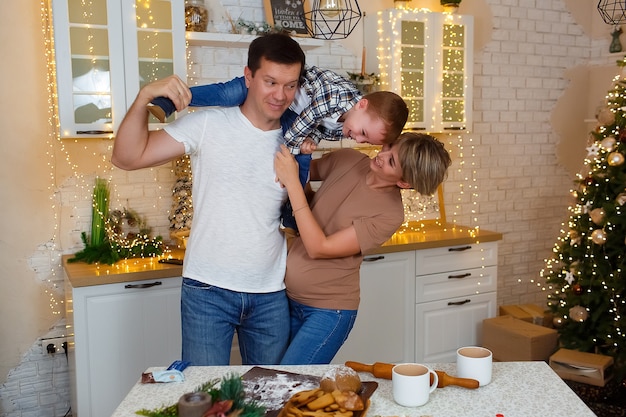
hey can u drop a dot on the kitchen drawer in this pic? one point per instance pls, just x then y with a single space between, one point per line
456 284
441 327
453 258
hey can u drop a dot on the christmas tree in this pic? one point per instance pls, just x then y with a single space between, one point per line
181 213
586 278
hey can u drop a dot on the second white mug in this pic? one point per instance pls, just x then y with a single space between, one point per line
474 362
411 384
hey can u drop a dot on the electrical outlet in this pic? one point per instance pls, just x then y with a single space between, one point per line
53 345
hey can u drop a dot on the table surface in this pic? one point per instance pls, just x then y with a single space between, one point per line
517 389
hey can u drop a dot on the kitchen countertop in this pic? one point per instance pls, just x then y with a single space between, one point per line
518 389
82 274
407 238
414 237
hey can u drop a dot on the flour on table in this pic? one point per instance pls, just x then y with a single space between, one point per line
274 391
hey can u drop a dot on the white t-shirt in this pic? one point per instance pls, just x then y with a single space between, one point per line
235 242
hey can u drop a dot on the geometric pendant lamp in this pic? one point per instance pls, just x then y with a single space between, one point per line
612 11
331 19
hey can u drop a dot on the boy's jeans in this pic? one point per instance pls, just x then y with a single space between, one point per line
233 93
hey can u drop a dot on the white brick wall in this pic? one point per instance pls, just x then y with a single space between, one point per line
39 386
522 191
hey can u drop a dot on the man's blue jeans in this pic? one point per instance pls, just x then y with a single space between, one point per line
316 334
210 316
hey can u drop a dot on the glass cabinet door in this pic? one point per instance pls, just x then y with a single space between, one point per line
412 68
454 75
159 47
105 50
426 58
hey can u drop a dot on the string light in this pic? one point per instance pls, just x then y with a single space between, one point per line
585 273
79 188
405 37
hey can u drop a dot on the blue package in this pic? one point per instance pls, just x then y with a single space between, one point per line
178 365
162 376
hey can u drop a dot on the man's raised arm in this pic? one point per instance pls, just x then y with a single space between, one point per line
135 145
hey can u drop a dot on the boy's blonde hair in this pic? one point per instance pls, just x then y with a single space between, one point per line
391 109
424 161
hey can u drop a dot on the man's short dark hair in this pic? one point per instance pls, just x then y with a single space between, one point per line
275 47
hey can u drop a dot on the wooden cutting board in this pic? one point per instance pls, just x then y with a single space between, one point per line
272 388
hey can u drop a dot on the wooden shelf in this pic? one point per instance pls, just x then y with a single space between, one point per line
237 40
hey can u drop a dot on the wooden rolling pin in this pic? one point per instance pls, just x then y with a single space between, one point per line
383 370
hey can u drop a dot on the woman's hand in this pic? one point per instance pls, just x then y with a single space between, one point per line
286 168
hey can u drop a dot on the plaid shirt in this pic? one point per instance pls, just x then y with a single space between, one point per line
331 96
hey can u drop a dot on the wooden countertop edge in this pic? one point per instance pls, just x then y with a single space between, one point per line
81 274
424 240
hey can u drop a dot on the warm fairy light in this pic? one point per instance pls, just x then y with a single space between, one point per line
586 273
406 36
59 149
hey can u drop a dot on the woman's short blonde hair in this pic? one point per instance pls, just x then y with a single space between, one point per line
424 161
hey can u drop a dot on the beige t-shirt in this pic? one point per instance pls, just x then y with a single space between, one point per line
343 199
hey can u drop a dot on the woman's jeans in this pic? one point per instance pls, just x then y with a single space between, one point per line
316 334
211 315
234 93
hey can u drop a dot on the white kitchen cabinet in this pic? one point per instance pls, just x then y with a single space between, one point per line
426 58
117 331
455 291
105 51
422 305
385 324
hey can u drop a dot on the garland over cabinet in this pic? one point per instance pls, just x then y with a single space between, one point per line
105 51
427 58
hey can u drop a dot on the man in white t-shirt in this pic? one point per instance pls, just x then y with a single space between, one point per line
234 267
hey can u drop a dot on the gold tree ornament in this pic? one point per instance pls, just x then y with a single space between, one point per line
578 313
606 117
598 237
598 216
615 159
608 143
557 322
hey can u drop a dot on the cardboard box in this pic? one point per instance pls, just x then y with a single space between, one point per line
531 313
588 368
511 339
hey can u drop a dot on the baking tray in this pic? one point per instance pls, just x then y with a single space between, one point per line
272 388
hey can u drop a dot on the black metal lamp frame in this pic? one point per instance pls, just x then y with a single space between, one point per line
322 25
612 11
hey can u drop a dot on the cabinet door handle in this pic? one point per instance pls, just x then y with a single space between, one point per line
461 249
458 303
93 132
468 274
373 258
150 285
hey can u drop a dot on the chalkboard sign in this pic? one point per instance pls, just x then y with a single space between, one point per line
287 13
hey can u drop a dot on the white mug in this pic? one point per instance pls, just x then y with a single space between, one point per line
474 362
411 384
